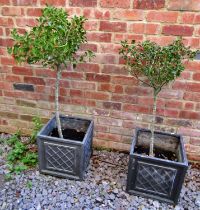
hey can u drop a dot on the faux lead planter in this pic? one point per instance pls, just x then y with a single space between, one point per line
67 157
153 177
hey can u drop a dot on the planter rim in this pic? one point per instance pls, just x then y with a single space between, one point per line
62 139
183 154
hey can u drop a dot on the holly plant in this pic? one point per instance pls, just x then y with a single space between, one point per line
54 43
159 65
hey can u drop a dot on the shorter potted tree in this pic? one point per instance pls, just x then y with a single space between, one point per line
64 143
158 162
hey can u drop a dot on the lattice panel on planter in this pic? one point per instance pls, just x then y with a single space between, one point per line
59 157
155 178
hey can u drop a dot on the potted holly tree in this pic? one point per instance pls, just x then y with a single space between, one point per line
64 143
158 162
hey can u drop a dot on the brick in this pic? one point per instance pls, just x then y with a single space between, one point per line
118 89
76 93
88 67
94 13
169 94
91 25
114 69
189 106
162 16
106 59
192 96
98 77
24 2
192 148
124 98
151 28
1 31
124 80
13 78
7 61
113 26
196 76
109 48
128 15
194 87
138 28
109 136
83 3
140 91
5 85
179 85
189 115
53 2
23 22
22 71
6 22
88 46
193 66
178 30
72 75
34 12
6 42
187 17
21 102
83 85
43 73
5 2
184 5
148 4
110 121
96 95
135 108
12 11
99 37
195 141
115 3
34 80
106 87
145 100
24 87
112 105
178 122
100 112
163 40
10 115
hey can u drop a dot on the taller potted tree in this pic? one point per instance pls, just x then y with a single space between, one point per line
158 163
64 143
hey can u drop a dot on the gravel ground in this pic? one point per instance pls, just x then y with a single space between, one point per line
103 188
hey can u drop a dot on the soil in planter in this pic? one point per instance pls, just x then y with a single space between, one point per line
162 154
68 133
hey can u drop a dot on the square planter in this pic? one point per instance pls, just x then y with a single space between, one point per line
154 177
67 157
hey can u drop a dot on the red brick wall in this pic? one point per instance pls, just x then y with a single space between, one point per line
102 89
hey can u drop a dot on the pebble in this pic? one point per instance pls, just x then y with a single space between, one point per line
103 189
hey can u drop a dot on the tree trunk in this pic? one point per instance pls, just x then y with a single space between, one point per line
58 76
153 125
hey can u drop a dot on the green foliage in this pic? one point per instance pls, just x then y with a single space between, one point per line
54 41
37 126
20 157
14 138
159 64
29 184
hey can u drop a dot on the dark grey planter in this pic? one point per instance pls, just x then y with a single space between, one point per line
153 177
66 158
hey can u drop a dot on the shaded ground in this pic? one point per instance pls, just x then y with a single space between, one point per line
103 188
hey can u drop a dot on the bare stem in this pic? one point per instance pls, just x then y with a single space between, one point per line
153 125
58 76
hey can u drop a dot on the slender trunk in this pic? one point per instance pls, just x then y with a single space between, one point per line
153 125
58 76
